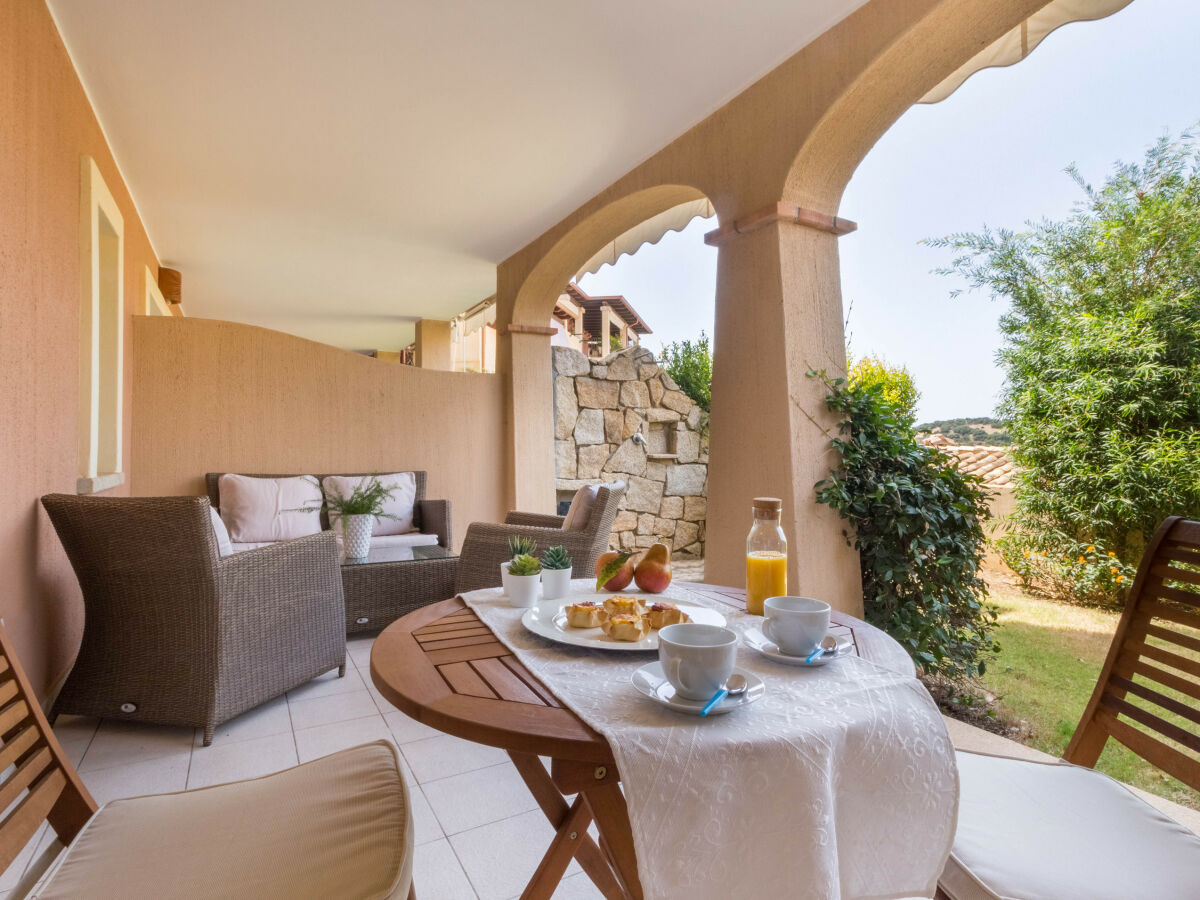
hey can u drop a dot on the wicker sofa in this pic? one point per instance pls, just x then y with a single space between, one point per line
176 634
430 517
485 547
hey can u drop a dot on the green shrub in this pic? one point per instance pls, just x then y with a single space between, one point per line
895 384
917 526
690 364
1102 356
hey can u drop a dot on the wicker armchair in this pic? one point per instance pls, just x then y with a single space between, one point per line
486 544
177 635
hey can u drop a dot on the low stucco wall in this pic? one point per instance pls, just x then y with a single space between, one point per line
212 396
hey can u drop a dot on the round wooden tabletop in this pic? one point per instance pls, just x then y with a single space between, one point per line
442 666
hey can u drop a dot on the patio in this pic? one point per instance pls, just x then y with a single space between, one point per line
323 217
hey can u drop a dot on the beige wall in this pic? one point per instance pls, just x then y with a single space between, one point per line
46 127
212 396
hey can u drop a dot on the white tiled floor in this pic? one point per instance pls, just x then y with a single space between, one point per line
479 832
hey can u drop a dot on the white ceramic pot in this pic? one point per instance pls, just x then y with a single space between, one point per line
356 535
521 590
556 583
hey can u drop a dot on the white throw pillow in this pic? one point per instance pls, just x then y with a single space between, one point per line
262 509
581 508
400 504
224 545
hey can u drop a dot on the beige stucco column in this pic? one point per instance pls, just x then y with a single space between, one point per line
434 345
778 315
532 419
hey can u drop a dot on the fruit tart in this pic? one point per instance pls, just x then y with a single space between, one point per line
663 614
584 615
624 606
626 627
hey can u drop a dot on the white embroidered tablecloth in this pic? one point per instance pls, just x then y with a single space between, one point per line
839 783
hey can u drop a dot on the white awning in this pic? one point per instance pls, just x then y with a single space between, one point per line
1021 41
650 231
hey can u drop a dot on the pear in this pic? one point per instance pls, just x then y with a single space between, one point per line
653 572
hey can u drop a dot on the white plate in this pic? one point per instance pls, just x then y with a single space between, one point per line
768 648
651 681
548 620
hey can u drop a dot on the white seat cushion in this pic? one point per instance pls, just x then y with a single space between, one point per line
413 539
1054 831
221 533
580 510
399 505
339 826
267 509
243 546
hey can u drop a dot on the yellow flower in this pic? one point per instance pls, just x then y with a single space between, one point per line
1113 570
1112 552
1091 548
1120 578
1027 554
1082 559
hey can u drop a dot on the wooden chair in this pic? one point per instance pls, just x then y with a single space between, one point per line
337 826
1030 829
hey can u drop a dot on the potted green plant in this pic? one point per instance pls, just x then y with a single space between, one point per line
356 513
521 574
556 573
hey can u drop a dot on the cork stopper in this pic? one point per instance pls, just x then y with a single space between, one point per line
767 507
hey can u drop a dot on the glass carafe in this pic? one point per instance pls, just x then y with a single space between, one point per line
766 555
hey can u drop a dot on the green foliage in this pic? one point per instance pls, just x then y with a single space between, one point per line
365 500
614 343
519 545
895 384
1102 353
556 558
917 526
690 364
524 564
980 430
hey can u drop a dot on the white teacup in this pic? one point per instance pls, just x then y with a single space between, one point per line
697 659
796 624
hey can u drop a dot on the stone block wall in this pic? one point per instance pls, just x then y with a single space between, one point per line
622 418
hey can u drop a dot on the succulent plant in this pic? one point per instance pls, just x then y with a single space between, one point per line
556 558
519 545
524 564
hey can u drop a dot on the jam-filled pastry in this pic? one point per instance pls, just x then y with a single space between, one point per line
584 615
663 614
626 627
625 606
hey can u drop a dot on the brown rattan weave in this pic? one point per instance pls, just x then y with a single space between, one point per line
486 544
177 635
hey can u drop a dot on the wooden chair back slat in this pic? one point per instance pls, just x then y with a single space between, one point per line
37 782
1153 709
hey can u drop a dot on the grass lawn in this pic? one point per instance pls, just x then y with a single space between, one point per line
1047 668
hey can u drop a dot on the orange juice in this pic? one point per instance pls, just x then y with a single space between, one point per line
766 576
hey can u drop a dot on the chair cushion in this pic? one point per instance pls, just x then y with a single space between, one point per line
400 504
243 546
1054 831
221 533
264 509
580 510
339 826
414 539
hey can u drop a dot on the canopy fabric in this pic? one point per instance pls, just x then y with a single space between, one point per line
1021 41
650 231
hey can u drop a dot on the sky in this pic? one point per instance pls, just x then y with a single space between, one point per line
993 154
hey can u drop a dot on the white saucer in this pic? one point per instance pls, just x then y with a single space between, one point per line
758 641
651 681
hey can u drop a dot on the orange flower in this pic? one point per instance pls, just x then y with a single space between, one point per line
1027 554
1120 578
1113 570
1112 553
1082 559
1091 548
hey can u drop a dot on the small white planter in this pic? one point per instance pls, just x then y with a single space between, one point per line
521 590
356 535
556 583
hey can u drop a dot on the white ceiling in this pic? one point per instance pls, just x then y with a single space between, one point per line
339 168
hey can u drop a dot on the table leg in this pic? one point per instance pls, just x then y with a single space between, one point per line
565 819
608 808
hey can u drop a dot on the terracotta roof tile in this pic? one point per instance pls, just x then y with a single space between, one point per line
992 464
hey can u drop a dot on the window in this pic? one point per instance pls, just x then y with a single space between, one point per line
101 333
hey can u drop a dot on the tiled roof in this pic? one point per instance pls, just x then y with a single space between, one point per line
591 310
992 464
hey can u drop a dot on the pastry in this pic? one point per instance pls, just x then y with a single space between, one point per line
624 605
626 627
584 615
664 614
